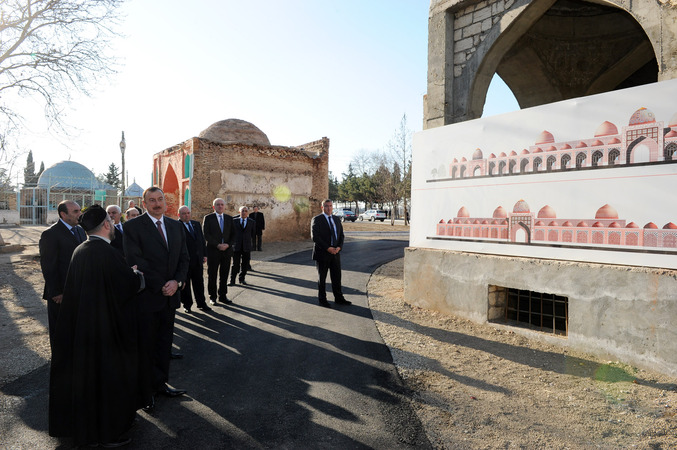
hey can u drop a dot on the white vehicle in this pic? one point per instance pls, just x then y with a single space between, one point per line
373 214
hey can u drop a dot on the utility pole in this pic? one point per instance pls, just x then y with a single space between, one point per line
123 146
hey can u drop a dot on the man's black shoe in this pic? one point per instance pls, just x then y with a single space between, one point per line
187 310
204 308
170 392
232 283
212 302
116 444
225 300
342 301
176 356
243 282
151 406
325 304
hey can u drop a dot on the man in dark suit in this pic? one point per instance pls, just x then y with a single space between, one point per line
157 246
57 244
115 213
327 234
242 245
219 233
257 217
195 242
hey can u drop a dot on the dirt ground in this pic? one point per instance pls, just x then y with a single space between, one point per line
486 387
473 386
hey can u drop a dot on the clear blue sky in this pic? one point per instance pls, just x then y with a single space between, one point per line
299 70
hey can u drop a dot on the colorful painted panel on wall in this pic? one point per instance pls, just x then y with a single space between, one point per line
602 191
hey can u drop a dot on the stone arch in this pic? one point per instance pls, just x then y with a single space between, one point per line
536 166
511 166
564 161
580 160
596 158
614 154
670 151
551 162
501 168
523 165
492 166
548 39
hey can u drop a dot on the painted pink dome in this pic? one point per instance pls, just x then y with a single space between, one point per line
671 134
450 221
477 154
565 147
552 148
606 212
581 145
606 129
455 160
513 153
582 224
651 225
545 137
642 115
670 226
441 221
614 141
485 222
502 155
467 221
614 225
524 152
458 221
597 143
492 156
500 213
538 150
539 223
553 224
463 159
567 224
494 222
463 212
632 225
598 225
547 212
477 221
521 207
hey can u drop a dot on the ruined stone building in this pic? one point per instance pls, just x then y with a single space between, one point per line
548 51
234 160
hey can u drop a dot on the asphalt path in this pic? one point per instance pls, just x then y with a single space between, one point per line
273 370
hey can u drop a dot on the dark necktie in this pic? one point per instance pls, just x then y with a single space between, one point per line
119 227
162 233
75 233
221 222
242 223
333 232
190 229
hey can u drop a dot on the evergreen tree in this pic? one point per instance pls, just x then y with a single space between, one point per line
30 180
112 177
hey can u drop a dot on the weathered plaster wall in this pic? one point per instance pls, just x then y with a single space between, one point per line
618 312
286 183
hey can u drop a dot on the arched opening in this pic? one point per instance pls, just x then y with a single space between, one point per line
596 158
170 186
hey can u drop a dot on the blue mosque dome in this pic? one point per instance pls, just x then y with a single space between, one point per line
134 190
70 175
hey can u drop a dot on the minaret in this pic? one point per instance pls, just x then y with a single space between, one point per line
123 146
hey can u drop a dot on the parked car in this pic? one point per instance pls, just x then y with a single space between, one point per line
373 214
345 214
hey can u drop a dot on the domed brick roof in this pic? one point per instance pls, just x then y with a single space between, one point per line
581 145
632 225
547 212
553 223
642 115
606 212
565 147
582 224
500 213
463 212
606 129
670 226
651 225
545 137
235 131
477 154
521 207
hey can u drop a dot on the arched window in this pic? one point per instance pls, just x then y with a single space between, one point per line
550 163
580 160
501 168
596 158
615 238
453 172
564 162
553 236
598 237
511 166
614 154
537 164
462 171
567 236
492 166
582 237
477 171
670 241
523 165
539 235
670 151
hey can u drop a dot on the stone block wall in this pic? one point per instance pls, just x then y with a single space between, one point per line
616 312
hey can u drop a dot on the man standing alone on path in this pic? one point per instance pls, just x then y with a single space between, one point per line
94 370
219 233
242 245
326 232
57 244
157 246
197 250
116 214
257 217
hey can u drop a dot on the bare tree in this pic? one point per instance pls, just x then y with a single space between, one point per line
49 50
400 149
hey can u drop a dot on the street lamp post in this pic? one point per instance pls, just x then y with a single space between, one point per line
123 146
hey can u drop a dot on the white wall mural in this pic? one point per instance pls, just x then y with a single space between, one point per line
590 179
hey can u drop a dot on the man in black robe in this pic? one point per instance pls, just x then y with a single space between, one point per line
93 390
